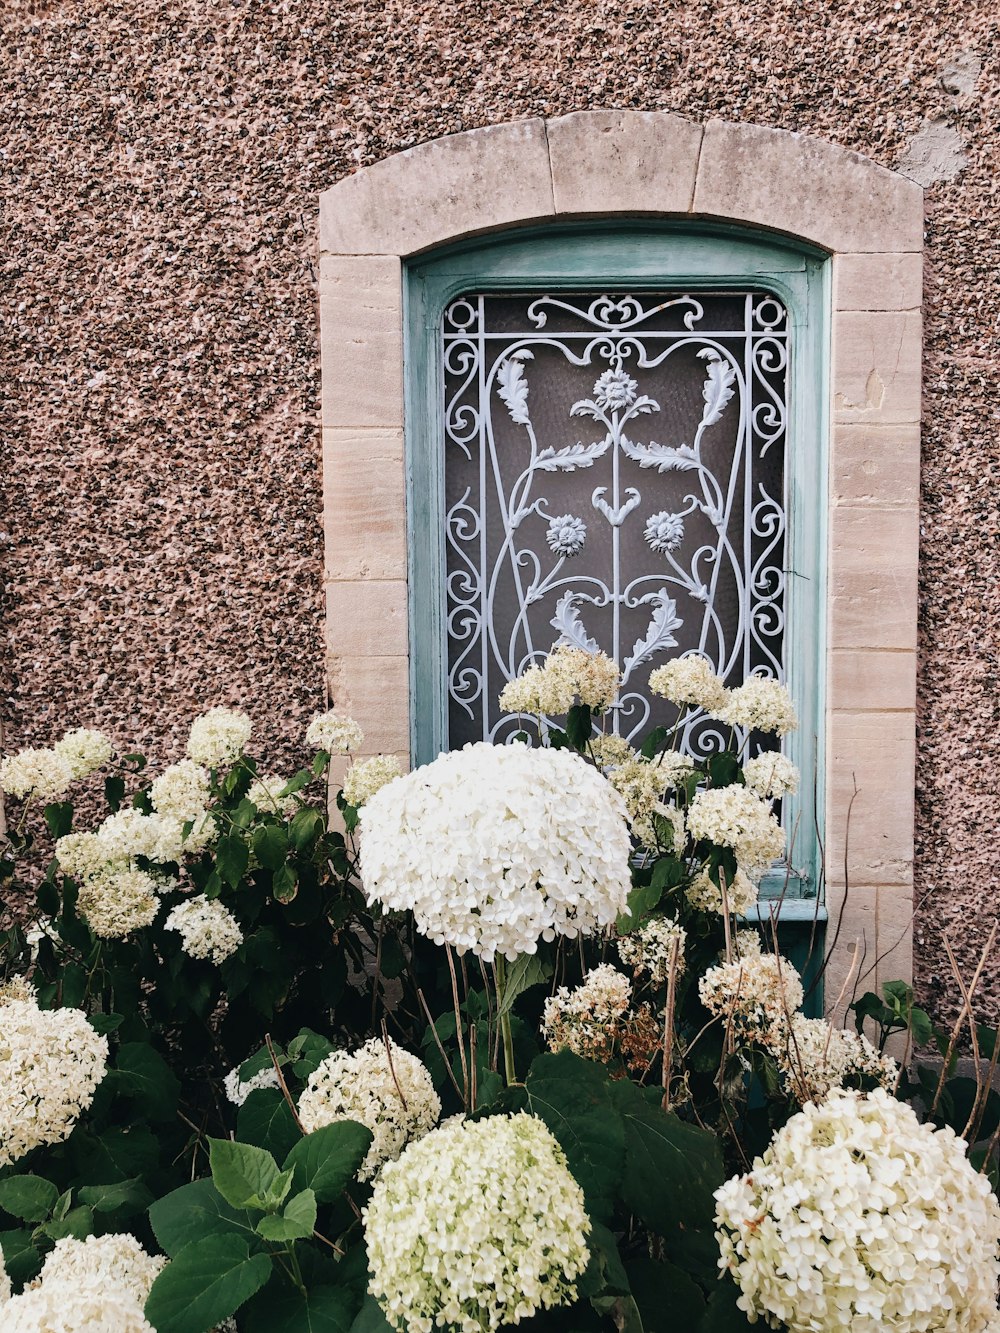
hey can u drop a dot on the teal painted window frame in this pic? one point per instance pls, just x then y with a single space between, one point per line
624 255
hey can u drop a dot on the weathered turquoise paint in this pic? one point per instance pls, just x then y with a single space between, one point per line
623 255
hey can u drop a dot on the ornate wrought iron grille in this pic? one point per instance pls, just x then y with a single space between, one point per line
657 529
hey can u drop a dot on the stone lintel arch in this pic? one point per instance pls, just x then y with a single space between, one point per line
631 164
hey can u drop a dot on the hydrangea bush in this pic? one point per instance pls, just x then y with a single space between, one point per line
495 1041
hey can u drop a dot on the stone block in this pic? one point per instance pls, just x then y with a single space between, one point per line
460 185
806 187
873 577
608 162
364 504
870 798
375 691
876 367
862 680
891 281
361 343
895 933
367 618
877 465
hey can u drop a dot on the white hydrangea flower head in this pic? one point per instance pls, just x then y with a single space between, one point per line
566 535
91 1306
207 928
738 818
706 896
496 847
365 777
747 944
334 732
117 1259
389 1091
817 1057
51 1062
85 750
477 1226
83 856
690 680
265 792
569 676
609 750
218 737
129 833
650 948
761 704
182 791
587 1019
858 1219
41 773
644 785
771 775
5 1288
755 994
664 531
118 903
16 988
238 1089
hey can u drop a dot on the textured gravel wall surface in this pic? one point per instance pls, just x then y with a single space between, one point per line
160 169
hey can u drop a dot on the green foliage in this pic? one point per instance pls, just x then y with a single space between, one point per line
205 1283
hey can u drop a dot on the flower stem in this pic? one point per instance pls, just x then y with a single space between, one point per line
504 1012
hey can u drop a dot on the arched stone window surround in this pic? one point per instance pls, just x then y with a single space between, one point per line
633 165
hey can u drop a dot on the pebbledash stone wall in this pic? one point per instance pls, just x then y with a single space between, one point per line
161 168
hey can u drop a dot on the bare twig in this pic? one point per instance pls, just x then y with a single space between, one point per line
959 1021
437 1042
392 1068
459 1032
281 1081
668 1022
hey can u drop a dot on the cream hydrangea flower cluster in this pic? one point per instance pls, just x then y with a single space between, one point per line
182 791
608 750
760 704
41 773
738 818
689 680
816 1057
706 896
771 775
239 1089
568 676
207 928
218 738
367 776
51 1062
585 1019
265 793
496 847
478 1226
97 1285
643 785
334 732
755 994
859 1219
85 750
120 902
650 948
388 1090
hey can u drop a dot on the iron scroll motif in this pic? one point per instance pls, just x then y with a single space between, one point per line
612 540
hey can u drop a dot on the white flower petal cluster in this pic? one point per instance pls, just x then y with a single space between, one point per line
85 750
858 1219
816 1057
761 704
496 847
126 835
476 1227
218 737
367 776
650 948
566 535
706 896
689 680
265 792
117 1259
644 785
207 928
738 818
389 1091
119 902
93 1306
41 773
4 1282
569 676
771 775
755 994
608 750
334 732
51 1062
239 1089
182 791
586 1019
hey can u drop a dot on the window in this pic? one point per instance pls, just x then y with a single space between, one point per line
622 451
